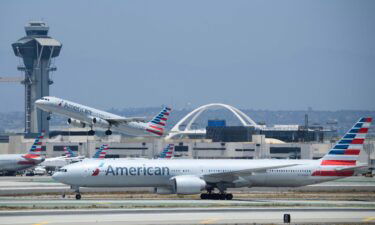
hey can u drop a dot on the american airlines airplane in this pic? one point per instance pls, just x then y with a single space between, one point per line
84 116
70 157
192 176
11 163
167 152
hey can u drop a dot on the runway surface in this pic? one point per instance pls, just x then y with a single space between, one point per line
38 201
190 216
51 203
45 184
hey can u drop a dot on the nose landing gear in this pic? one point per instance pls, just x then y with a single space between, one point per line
78 194
108 132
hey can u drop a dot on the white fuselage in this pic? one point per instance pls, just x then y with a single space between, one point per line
15 162
61 161
86 115
158 173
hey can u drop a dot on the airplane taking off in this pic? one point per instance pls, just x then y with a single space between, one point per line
191 176
84 116
11 163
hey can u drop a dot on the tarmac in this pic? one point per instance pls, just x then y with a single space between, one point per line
45 184
38 200
190 216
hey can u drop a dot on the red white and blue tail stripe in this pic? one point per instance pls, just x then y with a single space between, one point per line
36 149
68 152
347 150
102 151
157 124
167 152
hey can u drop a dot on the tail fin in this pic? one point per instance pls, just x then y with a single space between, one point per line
157 124
347 149
68 152
102 151
167 152
36 149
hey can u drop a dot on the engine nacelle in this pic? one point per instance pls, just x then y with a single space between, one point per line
76 123
188 184
100 122
163 191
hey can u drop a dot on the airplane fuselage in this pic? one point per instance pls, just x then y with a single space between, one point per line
15 162
87 115
158 173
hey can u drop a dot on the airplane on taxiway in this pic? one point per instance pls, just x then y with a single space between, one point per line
84 116
11 163
192 176
71 157
167 152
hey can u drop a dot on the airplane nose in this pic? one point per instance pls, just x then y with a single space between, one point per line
57 176
38 102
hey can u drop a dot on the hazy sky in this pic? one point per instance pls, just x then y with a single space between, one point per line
250 54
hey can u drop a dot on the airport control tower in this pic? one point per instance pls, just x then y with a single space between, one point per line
37 50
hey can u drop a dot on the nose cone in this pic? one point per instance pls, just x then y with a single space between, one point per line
39 103
70 175
62 176
43 104
58 176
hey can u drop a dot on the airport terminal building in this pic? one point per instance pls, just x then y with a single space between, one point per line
216 141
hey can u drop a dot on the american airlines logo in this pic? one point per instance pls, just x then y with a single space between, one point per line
134 171
77 108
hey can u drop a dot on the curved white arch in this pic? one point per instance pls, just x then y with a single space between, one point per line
242 117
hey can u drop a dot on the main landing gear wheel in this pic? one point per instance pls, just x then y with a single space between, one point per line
48 117
108 132
91 132
78 196
217 196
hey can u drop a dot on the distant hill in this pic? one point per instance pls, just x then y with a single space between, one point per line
341 120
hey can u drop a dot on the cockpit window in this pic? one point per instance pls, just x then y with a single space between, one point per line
62 170
46 99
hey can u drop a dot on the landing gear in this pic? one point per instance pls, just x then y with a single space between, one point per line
228 196
78 194
217 196
108 132
91 132
49 117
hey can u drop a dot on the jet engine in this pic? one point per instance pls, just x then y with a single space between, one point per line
100 122
188 184
76 123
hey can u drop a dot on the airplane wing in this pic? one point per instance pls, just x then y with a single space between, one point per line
234 175
126 120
